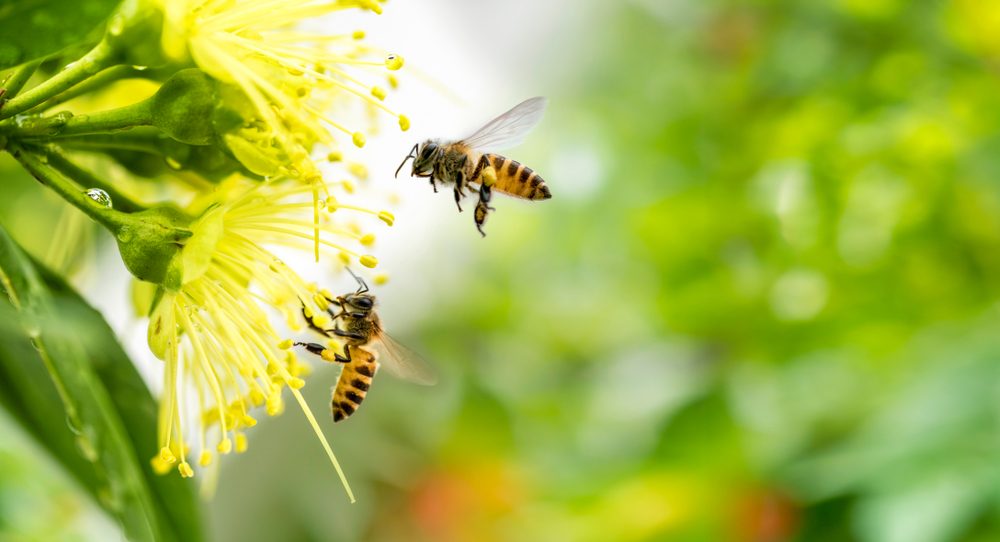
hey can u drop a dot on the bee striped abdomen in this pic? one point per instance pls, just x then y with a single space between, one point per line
517 179
355 380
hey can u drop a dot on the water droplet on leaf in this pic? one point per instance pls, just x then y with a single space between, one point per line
99 196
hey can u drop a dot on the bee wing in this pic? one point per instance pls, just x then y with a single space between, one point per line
509 129
403 362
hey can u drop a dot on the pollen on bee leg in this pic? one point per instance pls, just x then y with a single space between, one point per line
328 354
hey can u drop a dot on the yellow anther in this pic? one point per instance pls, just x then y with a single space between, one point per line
272 368
393 62
359 139
160 466
205 459
368 239
225 446
274 404
387 217
320 301
296 383
167 456
327 294
358 34
321 321
286 344
393 81
256 397
241 443
247 421
348 186
344 257
334 156
185 469
332 204
404 123
381 279
378 92
358 170
368 260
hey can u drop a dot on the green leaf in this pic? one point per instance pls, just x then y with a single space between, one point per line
30 30
66 379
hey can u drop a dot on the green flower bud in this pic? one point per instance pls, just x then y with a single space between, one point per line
183 107
150 242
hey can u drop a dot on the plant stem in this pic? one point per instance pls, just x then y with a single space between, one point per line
100 57
65 125
39 168
18 77
85 178
107 76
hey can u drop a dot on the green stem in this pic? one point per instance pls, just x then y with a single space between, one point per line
97 59
39 168
85 178
107 76
138 139
18 78
65 125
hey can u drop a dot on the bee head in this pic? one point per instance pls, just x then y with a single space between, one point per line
423 162
363 302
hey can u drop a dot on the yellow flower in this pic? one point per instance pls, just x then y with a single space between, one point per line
290 76
214 335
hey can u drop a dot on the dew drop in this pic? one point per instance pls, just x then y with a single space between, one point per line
140 68
35 344
99 196
125 234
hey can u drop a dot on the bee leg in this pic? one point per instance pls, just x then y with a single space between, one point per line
458 197
434 185
342 333
482 210
319 349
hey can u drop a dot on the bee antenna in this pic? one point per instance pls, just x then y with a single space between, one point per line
408 156
362 286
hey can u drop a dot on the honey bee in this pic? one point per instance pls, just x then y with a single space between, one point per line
471 161
366 348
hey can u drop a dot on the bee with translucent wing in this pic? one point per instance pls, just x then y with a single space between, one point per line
366 348
473 161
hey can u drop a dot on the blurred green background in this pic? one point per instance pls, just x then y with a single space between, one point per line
762 306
